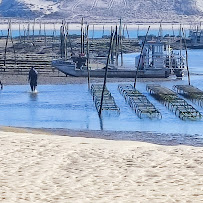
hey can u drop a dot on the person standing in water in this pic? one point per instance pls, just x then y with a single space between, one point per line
1 85
33 78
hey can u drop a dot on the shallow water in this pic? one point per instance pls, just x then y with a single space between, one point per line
71 106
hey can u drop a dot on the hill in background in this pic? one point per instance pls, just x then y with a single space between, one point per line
105 10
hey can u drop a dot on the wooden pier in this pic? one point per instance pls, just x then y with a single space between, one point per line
109 103
190 92
174 103
138 102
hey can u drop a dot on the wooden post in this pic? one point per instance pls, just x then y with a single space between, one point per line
24 32
188 72
83 41
28 30
117 45
112 52
9 35
88 71
121 42
19 33
13 44
180 40
140 57
106 70
65 40
127 31
81 37
6 46
138 29
33 31
45 36
40 28
93 32
53 33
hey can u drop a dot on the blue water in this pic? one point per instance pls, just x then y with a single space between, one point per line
129 33
71 106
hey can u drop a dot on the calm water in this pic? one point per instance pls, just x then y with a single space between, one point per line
129 33
71 106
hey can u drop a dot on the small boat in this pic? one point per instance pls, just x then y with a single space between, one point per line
153 63
69 67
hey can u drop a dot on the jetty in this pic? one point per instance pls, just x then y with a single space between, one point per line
173 102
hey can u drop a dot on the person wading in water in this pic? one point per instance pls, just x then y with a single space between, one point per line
1 85
33 78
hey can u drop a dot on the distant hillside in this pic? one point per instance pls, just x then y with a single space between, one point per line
104 10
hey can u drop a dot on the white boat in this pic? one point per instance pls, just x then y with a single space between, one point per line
153 63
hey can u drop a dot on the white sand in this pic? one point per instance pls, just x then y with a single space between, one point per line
38 167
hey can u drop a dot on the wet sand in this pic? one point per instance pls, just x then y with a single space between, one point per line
57 78
39 166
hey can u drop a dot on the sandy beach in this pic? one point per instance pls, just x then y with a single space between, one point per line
39 166
97 166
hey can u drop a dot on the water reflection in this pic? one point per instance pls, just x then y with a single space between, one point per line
33 96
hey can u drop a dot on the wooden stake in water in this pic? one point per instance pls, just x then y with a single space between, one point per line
9 35
19 33
127 31
81 37
188 72
45 36
88 71
117 45
141 56
92 32
106 70
121 42
83 41
33 32
40 28
180 41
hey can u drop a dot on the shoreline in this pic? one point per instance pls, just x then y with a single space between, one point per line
58 78
163 139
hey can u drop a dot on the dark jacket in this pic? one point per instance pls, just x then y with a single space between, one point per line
33 76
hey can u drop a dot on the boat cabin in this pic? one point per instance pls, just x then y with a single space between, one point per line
152 57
